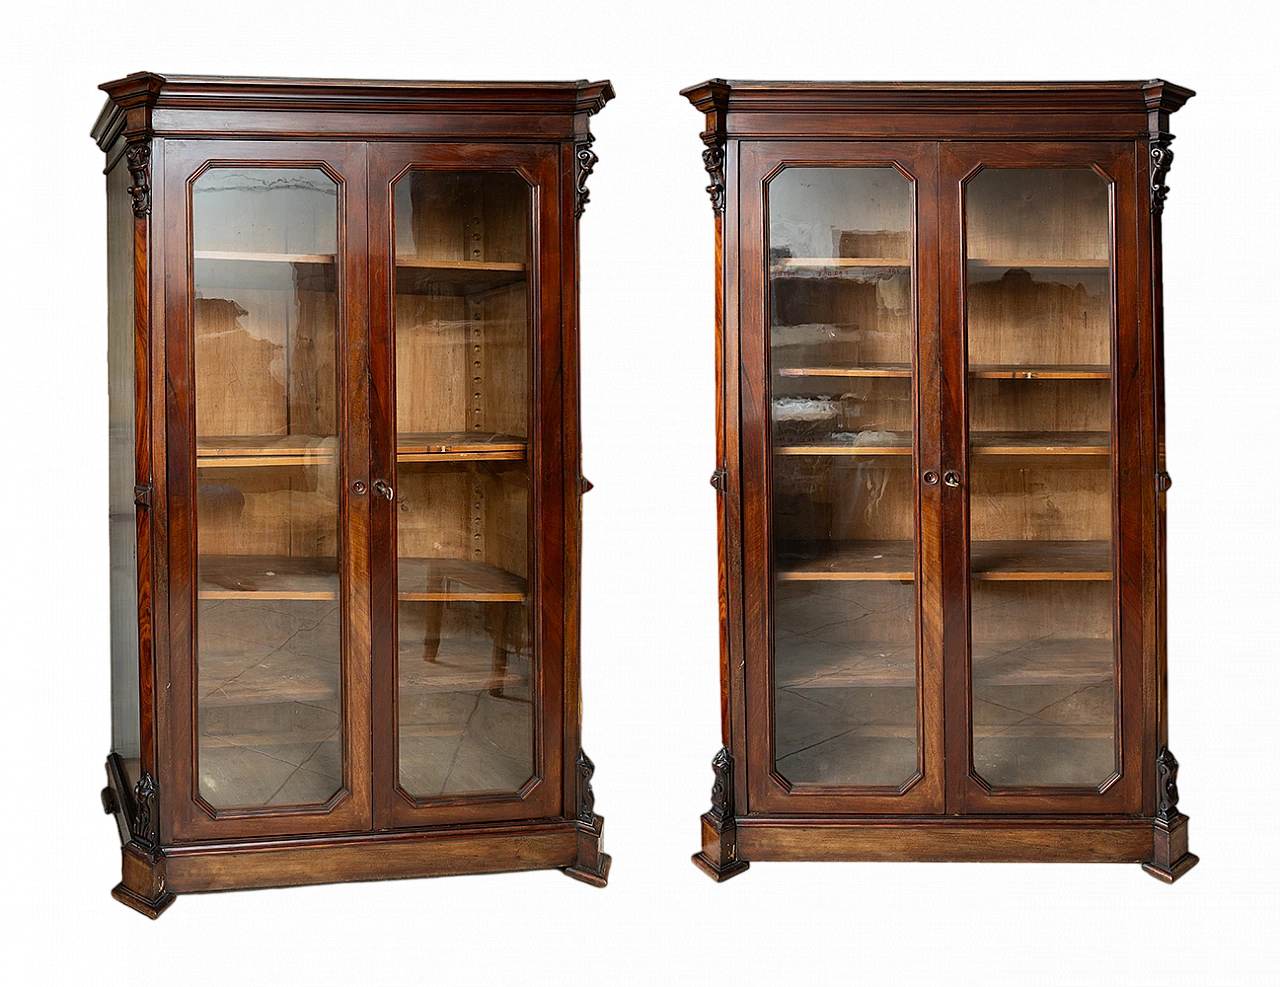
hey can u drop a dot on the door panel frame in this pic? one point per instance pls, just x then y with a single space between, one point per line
966 791
759 162
538 164
188 817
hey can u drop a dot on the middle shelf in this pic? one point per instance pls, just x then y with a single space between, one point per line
226 451
277 577
981 443
879 560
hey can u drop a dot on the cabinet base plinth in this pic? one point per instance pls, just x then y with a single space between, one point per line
593 863
1171 858
1030 839
153 878
719 857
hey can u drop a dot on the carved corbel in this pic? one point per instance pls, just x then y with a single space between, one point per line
138 161
145 824
1167 786
713 161
586 797
1161 160
585 161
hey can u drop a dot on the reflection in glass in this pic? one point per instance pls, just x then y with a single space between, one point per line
465 665
841 341
268 664
1039 343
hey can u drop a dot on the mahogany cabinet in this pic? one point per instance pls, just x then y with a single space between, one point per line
941 473
345 480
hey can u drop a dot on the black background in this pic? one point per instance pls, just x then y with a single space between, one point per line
649 602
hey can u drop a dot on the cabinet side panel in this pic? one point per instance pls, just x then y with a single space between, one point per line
121 380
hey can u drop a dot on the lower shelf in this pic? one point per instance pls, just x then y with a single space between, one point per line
271 577
270 723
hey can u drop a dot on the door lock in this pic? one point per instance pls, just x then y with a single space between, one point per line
951 478
383 489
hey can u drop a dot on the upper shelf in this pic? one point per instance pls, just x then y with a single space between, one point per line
221 451
429 276
271 577
980 371
414 275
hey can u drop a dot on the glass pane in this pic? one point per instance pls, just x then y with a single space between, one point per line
465 665
121 375
268 667
1039 342
843 507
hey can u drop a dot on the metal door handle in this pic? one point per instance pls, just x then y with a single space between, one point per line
383 489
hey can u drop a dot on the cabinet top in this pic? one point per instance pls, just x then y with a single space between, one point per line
147 104
1105 110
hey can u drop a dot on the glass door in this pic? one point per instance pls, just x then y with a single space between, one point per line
468 490
839 311
271 697
1042 473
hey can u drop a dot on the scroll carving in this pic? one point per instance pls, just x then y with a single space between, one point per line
145 823
138 160
1161 159
585 161
1167 785
722 788
713 161
586 798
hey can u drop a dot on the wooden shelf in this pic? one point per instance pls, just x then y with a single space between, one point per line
1040 443
427 276
837 268
1040 560
260 257
983 372
982 444
845 560
874 665
875 444
438 447
229 270
1060 372
850 370
269 577
806 263
235 451
1043 263
226 451
859 561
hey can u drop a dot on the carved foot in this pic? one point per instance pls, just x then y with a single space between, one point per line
716 857
141 884
1172 859
593 863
